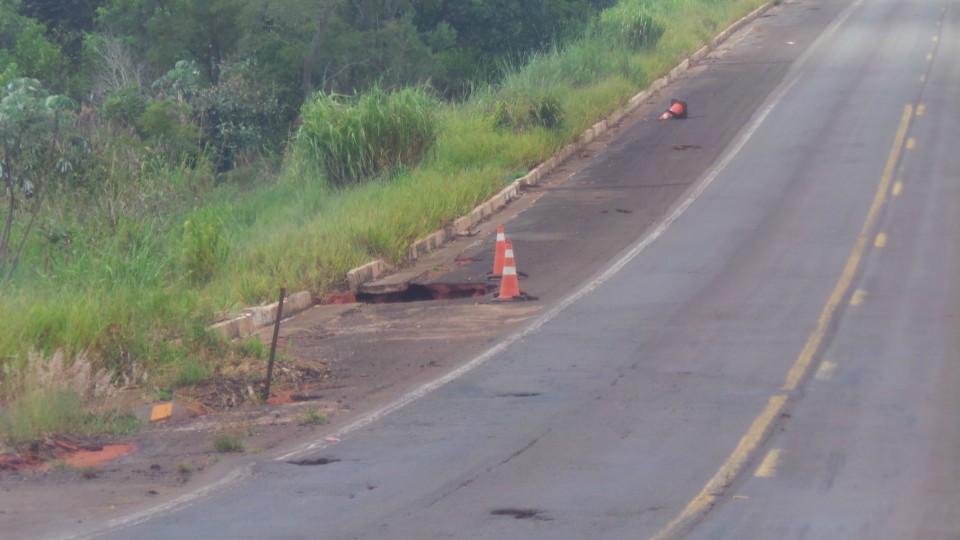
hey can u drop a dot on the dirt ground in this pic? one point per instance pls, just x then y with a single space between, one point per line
335 362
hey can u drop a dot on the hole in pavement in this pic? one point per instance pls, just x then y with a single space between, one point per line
518 513
420 293
520 394
311 462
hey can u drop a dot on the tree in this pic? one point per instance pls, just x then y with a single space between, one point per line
66 21
312 56
31 154
113 66
171 30
472 37
334 45
382 45
289 41
25 50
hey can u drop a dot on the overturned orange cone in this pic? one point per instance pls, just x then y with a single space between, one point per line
500 251
678 109
510 284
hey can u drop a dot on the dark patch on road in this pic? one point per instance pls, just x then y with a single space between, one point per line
519 513
314 462
416 292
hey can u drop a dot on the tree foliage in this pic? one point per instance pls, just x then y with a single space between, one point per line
239 71
25 50
30 157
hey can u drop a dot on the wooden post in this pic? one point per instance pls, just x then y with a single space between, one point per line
273 344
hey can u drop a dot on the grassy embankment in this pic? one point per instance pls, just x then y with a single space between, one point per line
128 277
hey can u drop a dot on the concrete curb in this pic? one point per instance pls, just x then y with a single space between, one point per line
462 226
365 274
258 317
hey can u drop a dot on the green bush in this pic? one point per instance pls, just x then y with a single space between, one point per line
241 115
359 138
124 105
168 123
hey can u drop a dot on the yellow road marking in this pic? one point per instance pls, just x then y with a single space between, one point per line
762 425
806 357
930 56
825 371
911 143
741 498
923 78
731 469
858 297
921 109
898 188
768 467
881 240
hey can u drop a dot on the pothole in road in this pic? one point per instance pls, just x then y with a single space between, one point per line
519 513
314 462
420 293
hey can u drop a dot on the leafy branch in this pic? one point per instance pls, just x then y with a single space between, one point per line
32 154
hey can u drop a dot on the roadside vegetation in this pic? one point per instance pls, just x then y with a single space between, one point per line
165 164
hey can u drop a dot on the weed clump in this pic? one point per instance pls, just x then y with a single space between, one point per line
313 418
227 442
50 395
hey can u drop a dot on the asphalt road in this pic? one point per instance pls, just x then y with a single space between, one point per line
774 356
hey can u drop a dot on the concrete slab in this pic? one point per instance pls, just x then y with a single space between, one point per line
394 283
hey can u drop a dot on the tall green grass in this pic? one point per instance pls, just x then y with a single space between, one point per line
362 136
117 273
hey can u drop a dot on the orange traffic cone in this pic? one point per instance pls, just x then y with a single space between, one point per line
678 109
510 284
498 255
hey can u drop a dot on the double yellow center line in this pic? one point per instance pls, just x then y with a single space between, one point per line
750 444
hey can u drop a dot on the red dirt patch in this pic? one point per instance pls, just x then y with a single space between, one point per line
73 452
16 462
91 458
338 298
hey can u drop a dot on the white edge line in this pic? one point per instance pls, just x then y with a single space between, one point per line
559 307
137 518
418 393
